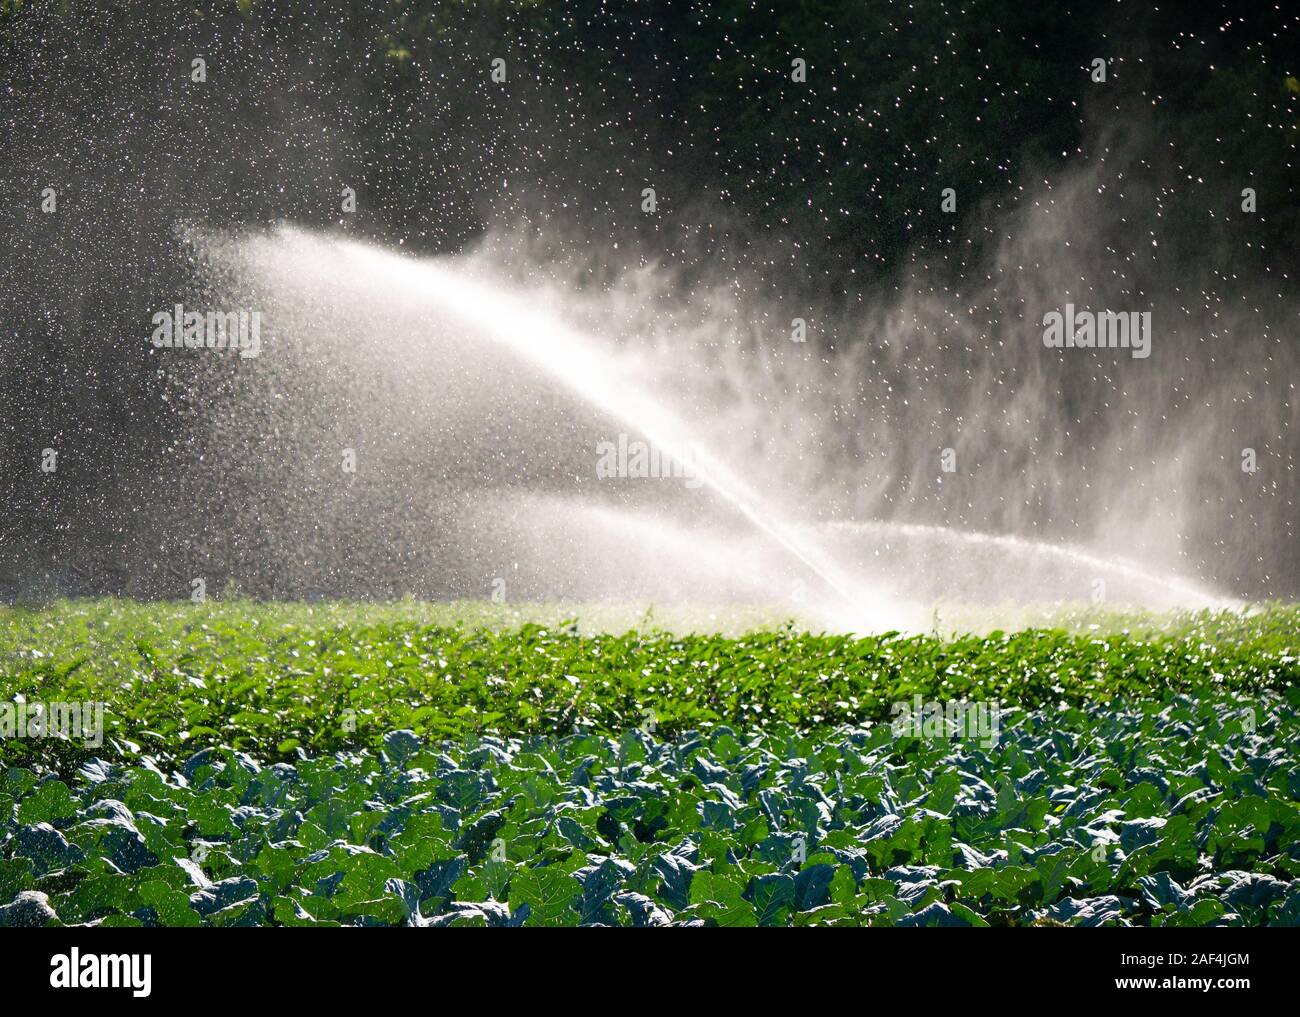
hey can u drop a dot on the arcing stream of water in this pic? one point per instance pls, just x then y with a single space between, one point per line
860 573
575 360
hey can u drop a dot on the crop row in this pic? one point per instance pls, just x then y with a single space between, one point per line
1181 813
275 684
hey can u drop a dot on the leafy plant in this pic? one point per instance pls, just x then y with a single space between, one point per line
1171 814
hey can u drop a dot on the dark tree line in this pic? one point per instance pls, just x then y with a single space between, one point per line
826 186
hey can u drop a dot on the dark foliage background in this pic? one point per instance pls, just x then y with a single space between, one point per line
826 191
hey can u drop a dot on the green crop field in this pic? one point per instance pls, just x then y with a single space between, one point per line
420 765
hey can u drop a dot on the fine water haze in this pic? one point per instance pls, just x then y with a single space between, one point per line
464 297
474 390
